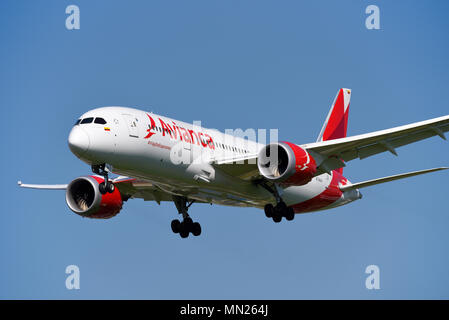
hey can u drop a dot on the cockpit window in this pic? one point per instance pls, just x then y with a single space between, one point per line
77 122
87 120
100 121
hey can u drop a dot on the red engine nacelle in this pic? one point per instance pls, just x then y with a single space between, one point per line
286 163
84 198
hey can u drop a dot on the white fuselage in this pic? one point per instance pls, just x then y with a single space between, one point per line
178 157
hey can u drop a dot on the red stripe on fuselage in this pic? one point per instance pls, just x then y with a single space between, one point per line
324 199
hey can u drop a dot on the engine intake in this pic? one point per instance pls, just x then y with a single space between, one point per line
286 163
84 198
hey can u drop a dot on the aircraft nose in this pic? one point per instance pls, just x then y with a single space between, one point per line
78 141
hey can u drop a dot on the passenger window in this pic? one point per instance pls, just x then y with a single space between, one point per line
100 121
87 120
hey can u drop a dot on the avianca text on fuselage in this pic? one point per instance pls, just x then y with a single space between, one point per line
181 134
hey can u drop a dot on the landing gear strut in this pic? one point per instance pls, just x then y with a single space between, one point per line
107 185
187 225
280 209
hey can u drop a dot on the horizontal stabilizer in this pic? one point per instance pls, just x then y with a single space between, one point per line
388 179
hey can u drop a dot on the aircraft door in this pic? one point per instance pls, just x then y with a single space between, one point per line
187 152
132 122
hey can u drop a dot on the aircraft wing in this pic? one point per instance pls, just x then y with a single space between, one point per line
332 154
43 186
128 187
373 182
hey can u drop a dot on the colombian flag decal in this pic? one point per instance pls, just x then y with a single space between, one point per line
107 129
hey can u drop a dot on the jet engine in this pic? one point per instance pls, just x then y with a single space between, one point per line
286 163
84 198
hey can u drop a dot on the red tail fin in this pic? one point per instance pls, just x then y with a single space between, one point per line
336 124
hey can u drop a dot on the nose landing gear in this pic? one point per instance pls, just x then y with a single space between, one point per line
107 185
187 225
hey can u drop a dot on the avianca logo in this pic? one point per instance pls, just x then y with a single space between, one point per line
180 133
151 126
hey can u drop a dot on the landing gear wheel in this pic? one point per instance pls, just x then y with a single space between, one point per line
196 229
269 209
277 218
184 229
175 226
106 186
290 214
102 188
281 207
110 187
187 225
279 211
184 234
188 222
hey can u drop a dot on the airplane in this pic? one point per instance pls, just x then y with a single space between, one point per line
160 159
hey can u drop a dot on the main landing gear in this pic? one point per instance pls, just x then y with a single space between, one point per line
187 225
280 209
107 185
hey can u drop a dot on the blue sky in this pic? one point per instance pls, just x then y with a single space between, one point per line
231 64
